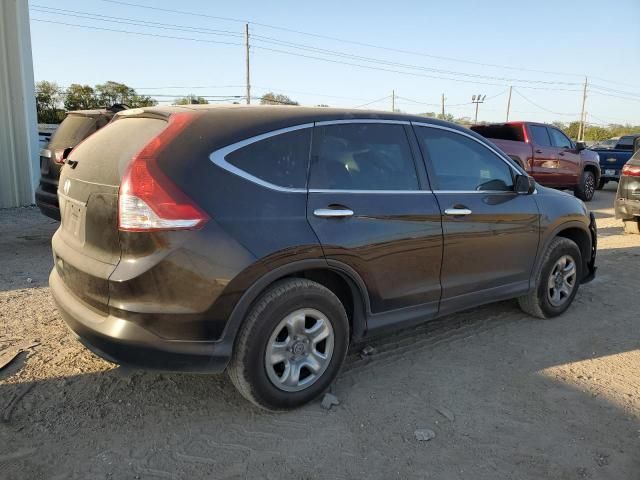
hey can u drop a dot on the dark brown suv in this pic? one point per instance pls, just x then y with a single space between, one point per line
265 240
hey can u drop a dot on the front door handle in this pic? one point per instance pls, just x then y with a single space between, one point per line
333 212
457 211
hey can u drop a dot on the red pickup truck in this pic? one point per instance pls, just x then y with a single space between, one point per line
547 154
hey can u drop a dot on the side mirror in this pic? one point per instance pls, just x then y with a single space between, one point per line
524 185
580 146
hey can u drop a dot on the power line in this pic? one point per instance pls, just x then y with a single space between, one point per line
370 67
135 33
541 107
336 39
595 92
131 21
275 41
372 102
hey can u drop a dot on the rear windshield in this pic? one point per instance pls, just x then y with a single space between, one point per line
500 132
72 131
104 157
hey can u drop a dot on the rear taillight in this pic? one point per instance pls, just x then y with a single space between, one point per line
59 156
631 171
148 199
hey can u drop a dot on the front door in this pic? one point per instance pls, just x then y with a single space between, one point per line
373 212
490 232
569 165
545 165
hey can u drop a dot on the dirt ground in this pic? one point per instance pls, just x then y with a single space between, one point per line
507 396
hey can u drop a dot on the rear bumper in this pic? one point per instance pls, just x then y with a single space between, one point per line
627 209
124 342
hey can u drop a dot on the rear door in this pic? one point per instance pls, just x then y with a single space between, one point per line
86 246
569 164
545 164
490 232
374 212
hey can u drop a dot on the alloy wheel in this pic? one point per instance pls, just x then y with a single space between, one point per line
299 350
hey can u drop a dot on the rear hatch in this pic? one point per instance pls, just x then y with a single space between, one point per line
86 246
75 128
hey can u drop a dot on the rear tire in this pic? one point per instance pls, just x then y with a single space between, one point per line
280 336
601 183
587 186
632 226
554 277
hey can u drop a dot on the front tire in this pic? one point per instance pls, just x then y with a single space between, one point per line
291 345
587 186
556 282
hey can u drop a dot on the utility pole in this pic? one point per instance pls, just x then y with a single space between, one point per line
477 99
393 100
246 44
582 115
443 106
509 102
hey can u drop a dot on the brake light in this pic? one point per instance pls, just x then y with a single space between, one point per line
59 155
526 135
148 199
631 171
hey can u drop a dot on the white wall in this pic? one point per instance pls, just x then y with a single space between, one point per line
19 151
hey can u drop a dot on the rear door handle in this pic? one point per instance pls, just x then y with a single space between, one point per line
332 212
538 151
457 211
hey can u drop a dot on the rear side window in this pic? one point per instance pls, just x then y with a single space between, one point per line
462 164
362 156
540 135
500 132
559 139
280 160
72 131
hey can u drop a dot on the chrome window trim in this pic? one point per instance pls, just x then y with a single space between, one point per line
361 120
329 190
218 158
486 145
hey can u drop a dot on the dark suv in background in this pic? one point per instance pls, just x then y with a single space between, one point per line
264 240
77 126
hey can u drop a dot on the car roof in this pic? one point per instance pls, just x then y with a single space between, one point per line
291 114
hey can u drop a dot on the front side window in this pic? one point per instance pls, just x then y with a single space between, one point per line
362 156
559 139
462 164
540 135
280 160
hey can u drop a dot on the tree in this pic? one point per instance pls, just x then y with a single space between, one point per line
48 99
276 99
113 92
191 99
80 97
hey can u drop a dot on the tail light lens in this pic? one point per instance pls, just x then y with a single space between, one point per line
59 156
631 171
148 199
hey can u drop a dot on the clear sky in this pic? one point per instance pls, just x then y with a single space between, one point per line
543 48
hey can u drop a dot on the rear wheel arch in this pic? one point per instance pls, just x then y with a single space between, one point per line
340 279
